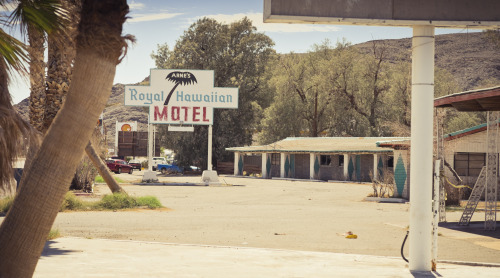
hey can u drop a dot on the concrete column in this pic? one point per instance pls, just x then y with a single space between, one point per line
236 160
375 166
209 161
346 166
264 165
312 157
282 164
150 146
421 148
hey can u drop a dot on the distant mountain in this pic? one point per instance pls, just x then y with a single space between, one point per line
471 58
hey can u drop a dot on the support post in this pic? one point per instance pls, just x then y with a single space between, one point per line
150 146
264 165
421 148
346 167
236 162
312 159
375 166
435 212
150 175
209 161
282 165
209 176
490 215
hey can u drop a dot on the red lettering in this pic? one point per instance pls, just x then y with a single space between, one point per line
175 109
195 113
163 115
205 115
185 108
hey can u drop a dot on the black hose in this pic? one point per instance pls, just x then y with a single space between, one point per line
403 246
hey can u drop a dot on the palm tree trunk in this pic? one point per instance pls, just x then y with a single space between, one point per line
37 78
61 52
103 169
24 231
59 73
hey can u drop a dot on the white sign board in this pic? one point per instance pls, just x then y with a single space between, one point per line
181 97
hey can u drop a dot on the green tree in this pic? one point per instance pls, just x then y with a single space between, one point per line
304 99
334 91
280 120
239 55
364 81
99 48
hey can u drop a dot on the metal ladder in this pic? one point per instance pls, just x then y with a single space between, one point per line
477 191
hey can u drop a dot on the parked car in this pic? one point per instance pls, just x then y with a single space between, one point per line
170 168
158 160
136 164
119 166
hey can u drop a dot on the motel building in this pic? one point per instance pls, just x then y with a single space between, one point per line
357 159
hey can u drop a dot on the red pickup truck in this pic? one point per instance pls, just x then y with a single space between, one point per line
119 166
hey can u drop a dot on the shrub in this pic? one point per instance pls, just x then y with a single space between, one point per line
53 234
5 204
84 176
71 202
149 201
99 179
117 201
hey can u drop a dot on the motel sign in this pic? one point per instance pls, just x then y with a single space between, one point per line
181 97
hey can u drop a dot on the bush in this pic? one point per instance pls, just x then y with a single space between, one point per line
71 202
149 201
53 234
84 176
5 204
117 201
99 179
384 186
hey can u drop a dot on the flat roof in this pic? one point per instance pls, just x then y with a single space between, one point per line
440 13
326 145
476 100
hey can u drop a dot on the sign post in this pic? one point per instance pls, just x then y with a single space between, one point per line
183 97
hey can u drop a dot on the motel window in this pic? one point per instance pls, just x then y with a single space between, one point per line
275 159
390 161
469 164
341 160
325 160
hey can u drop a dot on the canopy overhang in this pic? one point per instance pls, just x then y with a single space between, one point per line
476 100
481 14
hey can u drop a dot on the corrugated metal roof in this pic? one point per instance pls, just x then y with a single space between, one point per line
321 145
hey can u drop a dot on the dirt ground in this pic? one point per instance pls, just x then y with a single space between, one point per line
297 215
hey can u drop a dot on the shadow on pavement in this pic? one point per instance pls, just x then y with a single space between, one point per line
476 227
49 251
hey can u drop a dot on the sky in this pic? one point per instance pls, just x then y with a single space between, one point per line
156 22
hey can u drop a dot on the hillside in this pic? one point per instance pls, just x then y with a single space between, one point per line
469 57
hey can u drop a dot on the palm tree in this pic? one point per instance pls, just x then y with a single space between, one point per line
53 19
13 130
62 52
99 49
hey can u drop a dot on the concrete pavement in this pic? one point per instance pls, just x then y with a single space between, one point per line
81 257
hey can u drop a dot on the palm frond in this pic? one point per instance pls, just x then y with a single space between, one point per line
13 52
15 133
46 15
